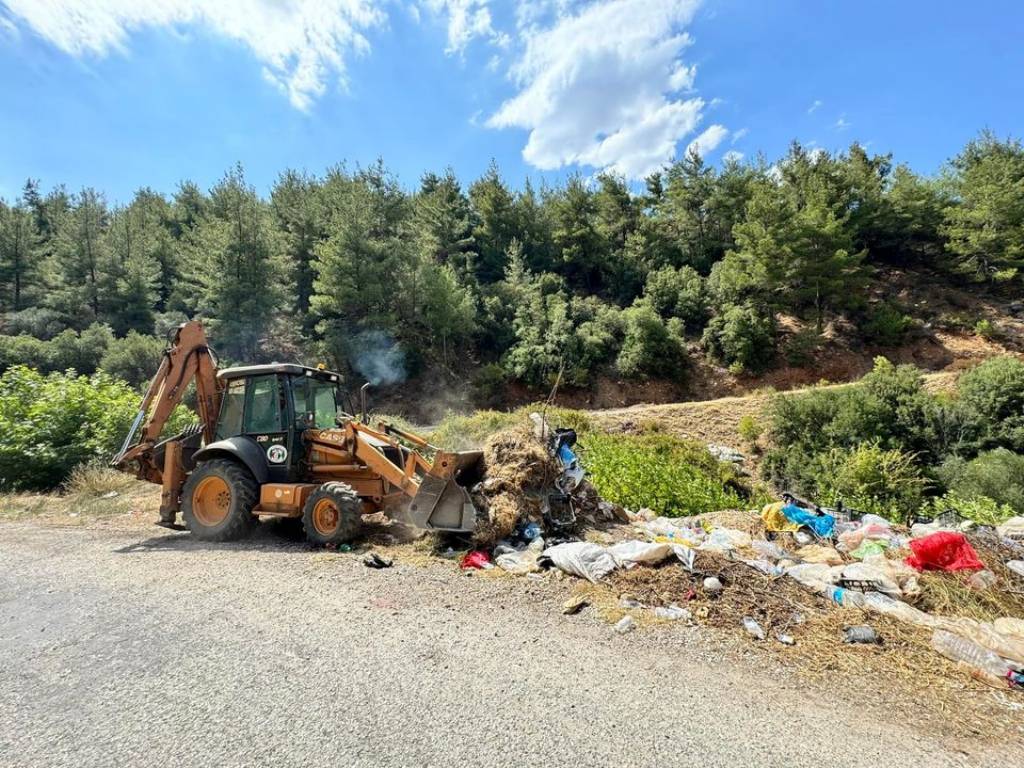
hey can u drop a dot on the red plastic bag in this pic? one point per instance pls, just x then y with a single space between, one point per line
944 551
475 559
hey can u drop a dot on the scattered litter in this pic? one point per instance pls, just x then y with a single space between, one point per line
822 525
1017 566
775 520
476 559
625 624
982 662
870 547
818 553
785 639
373 560
581 558
629 602
1012 528
725 453
861 633
712 585
944 551
630 553
753 628
574 605
672 613
110 495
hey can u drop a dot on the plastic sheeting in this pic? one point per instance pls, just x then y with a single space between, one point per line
944 551
774 520
822 525
581 558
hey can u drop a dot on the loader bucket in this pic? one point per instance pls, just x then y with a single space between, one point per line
443 502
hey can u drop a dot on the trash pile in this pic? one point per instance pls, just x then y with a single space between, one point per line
941 586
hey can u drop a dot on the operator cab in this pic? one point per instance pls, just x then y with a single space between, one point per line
273 405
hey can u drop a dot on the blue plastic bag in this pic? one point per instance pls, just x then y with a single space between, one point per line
822 525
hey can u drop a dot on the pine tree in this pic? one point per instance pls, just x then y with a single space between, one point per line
442 219
298 210
19 255
244 277
79 268
495 223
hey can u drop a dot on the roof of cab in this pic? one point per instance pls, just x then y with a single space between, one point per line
289 369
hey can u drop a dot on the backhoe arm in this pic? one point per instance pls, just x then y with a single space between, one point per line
187 358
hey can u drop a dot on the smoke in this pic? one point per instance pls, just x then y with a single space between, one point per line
378 358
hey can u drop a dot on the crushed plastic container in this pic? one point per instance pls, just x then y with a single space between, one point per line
753 628
980 660
625 624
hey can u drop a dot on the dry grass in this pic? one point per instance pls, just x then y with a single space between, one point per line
90 492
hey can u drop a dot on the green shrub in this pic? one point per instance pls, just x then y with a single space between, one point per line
678 293
649 348
750 429
980 509
886 325
986 329
134 358
35 321
741 335
67 350
800 347
668 475
884 482
994 393
997 475
53 423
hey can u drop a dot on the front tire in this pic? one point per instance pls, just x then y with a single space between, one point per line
218 499
332 514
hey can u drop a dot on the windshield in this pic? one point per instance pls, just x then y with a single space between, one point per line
316 401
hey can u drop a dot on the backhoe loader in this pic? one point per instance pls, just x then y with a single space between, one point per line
272 442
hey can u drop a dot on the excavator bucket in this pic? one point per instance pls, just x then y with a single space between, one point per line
443 502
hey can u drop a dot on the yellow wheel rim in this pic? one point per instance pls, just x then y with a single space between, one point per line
211 501
326 517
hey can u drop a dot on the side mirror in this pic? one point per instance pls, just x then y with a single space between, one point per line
304 420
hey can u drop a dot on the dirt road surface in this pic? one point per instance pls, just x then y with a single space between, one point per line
140 647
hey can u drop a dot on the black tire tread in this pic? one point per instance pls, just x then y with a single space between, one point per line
245 493
348 503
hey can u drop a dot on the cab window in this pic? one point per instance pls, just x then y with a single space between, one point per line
314 401
230 423
263 411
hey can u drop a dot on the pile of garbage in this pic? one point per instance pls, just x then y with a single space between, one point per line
767 575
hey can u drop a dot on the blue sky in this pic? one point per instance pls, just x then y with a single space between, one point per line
119 94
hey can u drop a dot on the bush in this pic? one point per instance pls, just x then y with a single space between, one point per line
750 429
884 482
134 358
886 325
35 321
670 476
67 350
997 475
649 348
986 329
53 423
994 393
678 293
980 509
741 335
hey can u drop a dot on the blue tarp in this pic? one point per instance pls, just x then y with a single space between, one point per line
823 525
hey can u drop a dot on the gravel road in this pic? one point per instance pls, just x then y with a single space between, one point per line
140 647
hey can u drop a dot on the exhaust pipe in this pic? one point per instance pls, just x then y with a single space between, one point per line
362 402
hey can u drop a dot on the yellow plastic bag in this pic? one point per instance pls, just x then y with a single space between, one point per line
774 520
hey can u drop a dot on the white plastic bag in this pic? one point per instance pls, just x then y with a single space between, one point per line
725 540
581 558
630 553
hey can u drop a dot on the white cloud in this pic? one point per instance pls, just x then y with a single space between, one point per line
467 19
732 156
842 123
740 134
708 140
414 12
815 106
301 43
594 86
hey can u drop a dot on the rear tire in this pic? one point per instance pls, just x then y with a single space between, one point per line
332 514
218 499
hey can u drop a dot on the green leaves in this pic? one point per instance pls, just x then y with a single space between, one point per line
673 477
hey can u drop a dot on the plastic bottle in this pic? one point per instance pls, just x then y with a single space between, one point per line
753 628
845 597
625 624
981 660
